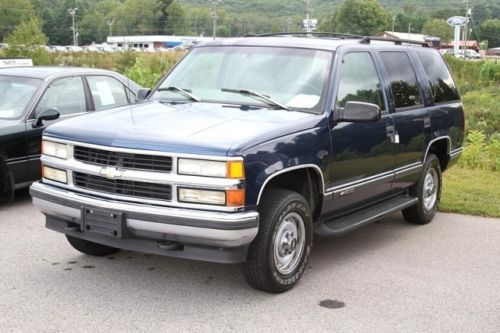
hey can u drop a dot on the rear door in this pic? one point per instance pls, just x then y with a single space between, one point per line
362 156
411 119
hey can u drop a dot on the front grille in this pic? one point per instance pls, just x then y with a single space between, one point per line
123 187
123 160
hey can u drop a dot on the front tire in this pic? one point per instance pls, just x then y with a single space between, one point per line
428 192
278 255
91 248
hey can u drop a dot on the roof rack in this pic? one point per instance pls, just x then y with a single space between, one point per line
368 39
308 34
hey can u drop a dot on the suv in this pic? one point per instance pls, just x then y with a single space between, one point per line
250 146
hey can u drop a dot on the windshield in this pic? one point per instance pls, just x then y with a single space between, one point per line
292 77
15 94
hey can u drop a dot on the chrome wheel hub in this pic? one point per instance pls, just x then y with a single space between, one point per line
289 243
430 190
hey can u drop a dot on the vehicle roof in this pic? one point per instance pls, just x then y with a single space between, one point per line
41 72
313 42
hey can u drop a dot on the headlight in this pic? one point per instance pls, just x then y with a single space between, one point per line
57 175
202 196
221 169
55 149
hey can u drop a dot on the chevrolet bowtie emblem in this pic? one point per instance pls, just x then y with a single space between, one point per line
110 172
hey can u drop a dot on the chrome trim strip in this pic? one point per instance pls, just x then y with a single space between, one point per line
400 173
361 181
456 152
145 176
282 171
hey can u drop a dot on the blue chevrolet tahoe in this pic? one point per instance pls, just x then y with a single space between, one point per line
250 147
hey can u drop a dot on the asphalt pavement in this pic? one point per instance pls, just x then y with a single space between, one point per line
387 277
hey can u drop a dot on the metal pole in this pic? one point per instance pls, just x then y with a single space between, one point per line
72 13
409 30
215 17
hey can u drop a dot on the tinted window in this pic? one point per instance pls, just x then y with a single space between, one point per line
359 80
404 85
65 95
442 85
107 92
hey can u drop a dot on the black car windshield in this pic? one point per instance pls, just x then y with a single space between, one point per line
15 94
292 77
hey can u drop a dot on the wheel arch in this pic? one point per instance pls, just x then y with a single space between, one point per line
441 147
308 181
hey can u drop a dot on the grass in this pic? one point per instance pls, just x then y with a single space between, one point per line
471 192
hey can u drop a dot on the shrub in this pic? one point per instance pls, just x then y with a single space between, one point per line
482 110
481 154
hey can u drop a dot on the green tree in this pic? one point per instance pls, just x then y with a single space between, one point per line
438 28
28 40
139 17
364 17
490 30
176 23
12 13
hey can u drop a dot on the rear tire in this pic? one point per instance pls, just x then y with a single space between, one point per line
278 255
428 192
91 248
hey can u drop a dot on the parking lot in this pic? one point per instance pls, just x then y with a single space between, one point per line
390 276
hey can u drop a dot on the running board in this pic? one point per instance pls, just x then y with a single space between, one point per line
344 224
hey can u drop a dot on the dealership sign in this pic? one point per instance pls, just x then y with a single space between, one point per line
4 63
457 21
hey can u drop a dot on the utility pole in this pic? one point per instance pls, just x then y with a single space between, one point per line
308 14
393 22
72 13
110 24
466 27
288 23
409 30
214 16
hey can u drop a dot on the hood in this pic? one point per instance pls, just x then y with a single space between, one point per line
196 128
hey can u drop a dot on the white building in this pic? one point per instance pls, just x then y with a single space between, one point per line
153 42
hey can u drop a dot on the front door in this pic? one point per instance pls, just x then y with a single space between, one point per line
363 154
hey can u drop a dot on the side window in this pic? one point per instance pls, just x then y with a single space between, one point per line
442 85
66 95
359 80
404 84
107 92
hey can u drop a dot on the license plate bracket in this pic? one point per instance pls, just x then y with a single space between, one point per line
103 222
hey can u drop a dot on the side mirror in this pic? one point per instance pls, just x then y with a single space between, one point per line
360 112
47 114
142 94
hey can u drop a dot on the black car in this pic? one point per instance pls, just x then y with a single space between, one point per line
33 97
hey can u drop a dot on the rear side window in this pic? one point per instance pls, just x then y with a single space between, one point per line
107 92
402 78
442 85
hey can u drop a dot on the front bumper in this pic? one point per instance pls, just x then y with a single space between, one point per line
203 235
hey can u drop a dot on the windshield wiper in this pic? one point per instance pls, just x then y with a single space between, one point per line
248 92
183 92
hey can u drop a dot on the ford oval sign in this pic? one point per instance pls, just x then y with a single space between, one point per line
457 21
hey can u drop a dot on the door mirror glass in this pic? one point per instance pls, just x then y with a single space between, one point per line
360 112
46 115
142 94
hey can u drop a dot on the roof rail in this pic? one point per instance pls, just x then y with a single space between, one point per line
397 41
308 34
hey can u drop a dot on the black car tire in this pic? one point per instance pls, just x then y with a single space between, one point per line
281 213
91 248
424 211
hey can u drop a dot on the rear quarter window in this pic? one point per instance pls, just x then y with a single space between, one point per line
442 86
